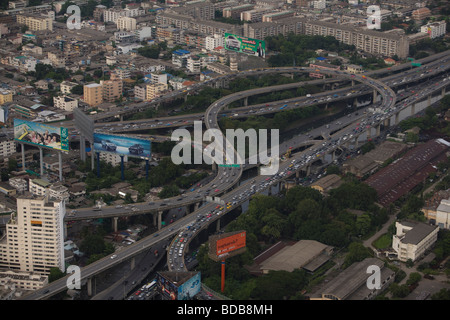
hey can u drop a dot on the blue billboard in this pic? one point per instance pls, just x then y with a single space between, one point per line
190 288
121 145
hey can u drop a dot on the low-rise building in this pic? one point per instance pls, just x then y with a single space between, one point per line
327 183
435 29
351 284
65 103
39 187
412 239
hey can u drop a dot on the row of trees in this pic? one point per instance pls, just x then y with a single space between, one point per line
281 120
303 213
297 49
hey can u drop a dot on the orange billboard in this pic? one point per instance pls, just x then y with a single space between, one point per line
230 243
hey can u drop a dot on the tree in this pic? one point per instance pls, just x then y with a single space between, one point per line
356 252
414 278
78 89
169 191
55 274
399 291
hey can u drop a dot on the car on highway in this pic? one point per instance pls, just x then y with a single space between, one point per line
113 256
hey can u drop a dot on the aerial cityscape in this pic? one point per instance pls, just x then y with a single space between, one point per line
219 151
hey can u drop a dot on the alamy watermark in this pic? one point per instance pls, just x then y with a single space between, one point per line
74 20
374 17
74 280
374 280
214 152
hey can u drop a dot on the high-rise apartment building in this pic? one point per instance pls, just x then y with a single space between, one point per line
154 90
5 96
370 41
34 239
111 89
126 23
93 94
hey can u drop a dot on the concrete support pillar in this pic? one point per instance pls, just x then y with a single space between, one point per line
214 167
185 97
356 142
387 122
378 129
374 98
91 143
89 287
308 170
82 148
246 101
41 160
397 118
197 205
413 109
115 223
121 118
159 219
443 92
22 148
60 166
133 263
353 83
297 174
218 225
154 220
333 155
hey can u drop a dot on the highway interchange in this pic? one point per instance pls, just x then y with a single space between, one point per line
233 195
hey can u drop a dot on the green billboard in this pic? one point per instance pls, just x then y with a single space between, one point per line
245 45
41 134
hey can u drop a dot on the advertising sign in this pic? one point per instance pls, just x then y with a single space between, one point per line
245 45
121 145
190 288
41 134
166 287
230 243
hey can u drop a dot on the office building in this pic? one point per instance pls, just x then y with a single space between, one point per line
93 94
34 239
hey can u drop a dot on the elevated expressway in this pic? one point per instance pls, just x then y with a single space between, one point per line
227 192
211 121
